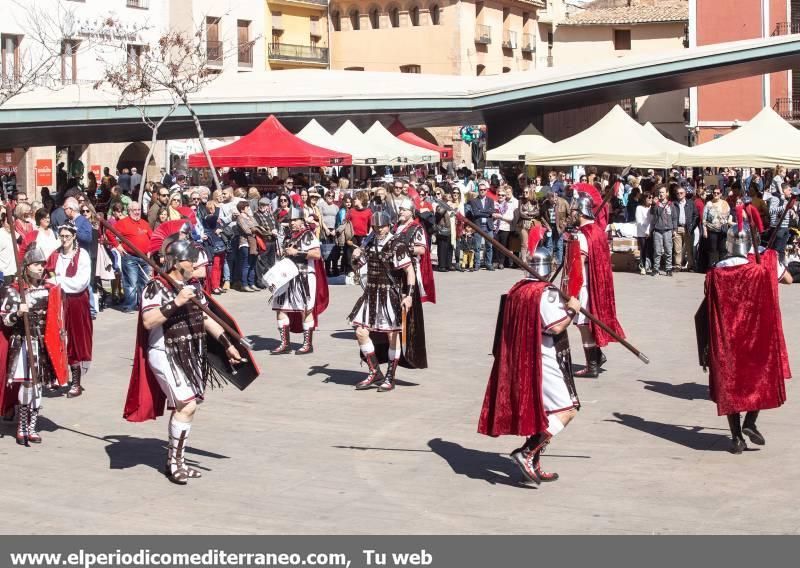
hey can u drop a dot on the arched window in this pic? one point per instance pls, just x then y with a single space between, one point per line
413 15
375 19
336 19
394 17
480 69
355 19
435 15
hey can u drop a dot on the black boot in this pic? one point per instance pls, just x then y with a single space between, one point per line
375 375
749 429
308 346
75 388
590 371
388 381
284 345
738 444
602 360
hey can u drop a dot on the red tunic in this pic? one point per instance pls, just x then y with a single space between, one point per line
513 402
747 357
77 316
602 303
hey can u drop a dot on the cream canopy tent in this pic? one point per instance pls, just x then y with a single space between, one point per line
763 142
315 133
363 150
404 152
531 140
615 140
668 145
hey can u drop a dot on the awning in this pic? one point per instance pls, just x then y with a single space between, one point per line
666 143
270 145
405 152
531 140
399 130
365 152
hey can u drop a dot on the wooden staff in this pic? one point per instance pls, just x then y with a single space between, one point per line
516 260
171 281
23 289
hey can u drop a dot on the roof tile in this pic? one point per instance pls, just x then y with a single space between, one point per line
677 12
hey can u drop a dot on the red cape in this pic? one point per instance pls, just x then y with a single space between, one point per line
425 267
602 301
748 362
145 400
8 394
513 402
320 300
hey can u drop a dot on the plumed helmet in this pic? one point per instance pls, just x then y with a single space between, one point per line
33 254
381 219
739 239
176 250
296 213
541 261
406 204
584 205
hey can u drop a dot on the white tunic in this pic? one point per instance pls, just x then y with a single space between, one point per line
83 275
292 299
555 394
417 240
583 295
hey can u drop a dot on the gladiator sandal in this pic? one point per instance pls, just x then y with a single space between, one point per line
388 381
33 435
177 471
284 345
536 463
375 374
521 458
22 424
308 346
75 388
590 371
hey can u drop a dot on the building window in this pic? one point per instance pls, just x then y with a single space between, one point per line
435 15
506 69
69 62
394 17
622 40
355 19
134 58
277 22
315 29
143 4
411 69
336 18
479 70
353 68
375 19
244 45
10 57
628 104
213 44
413 15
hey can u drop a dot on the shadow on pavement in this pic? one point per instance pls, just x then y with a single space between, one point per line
686 391
263 343
344 334
129 451
348 377
692 437
476 464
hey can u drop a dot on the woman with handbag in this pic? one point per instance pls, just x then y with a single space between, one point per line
344 233
215 247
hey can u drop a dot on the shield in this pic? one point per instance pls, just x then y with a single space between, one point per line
241 374
55 335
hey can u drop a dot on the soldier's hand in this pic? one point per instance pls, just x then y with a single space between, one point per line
406 303
186 294
356 254
23 309
233 355
574 304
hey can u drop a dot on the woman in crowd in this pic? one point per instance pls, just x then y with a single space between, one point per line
215 247
528 215
248 249
444 234
359 217
503 217
313 213
23 220
88 211
329 212
175 202
715 225
46 238
459 204
644 233
282 215
344 233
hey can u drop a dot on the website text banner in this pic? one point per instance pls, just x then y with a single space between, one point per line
392 552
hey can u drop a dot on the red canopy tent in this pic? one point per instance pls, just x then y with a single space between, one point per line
270 144
399 130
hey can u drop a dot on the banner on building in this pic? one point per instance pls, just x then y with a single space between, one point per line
97 170
44 172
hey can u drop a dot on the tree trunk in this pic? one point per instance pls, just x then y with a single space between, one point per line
151 150
202 139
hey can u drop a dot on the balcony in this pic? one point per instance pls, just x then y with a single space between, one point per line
788 108
289 52
528 43
214 52
142 4
786 28
483 34
509 39
246 55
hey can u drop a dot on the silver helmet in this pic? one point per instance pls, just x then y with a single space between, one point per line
296 213
176 250
32 255
381 219
406 204
584 205
739 241
541 261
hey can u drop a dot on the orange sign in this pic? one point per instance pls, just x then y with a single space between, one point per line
96 169
44 172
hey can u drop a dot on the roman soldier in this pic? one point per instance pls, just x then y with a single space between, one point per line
588 276
741 303
40 298
390 291
299 304
171 358
413 235
72 271
531 391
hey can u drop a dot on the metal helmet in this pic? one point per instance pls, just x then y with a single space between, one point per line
584 205
381 219
739 242
541 261
296 213
176 250
406 204
32 255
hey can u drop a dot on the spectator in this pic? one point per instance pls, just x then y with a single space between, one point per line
117 196
135 271
161 203
556 183
23 221
314 212
686 219
166 178
776 207
758 202
644 228
329 211
503 216
555 216
664 223
214 245
247 246
344 233
91 185
481 211
136 180
444 233
46 238
360 217
87 212
715 225
124 181
72 209
287 189
529 214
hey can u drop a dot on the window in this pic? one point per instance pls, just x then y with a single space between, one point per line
506 69
213 44
413 15
394 17
355 19
277 21
375 19
134 58
410 69
315 29
143 4
622 40
435 15
336 18
244 44
479 70
10 57
353 68
69 62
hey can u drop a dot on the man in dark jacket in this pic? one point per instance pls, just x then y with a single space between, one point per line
663 221
685 217
480 211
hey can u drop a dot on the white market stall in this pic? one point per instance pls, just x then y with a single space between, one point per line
364 150
531 140
403 152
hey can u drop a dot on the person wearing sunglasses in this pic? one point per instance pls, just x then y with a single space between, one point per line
716 216
160 201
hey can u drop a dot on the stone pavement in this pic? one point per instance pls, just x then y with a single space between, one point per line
301 452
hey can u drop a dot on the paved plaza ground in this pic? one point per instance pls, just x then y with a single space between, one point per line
301 452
